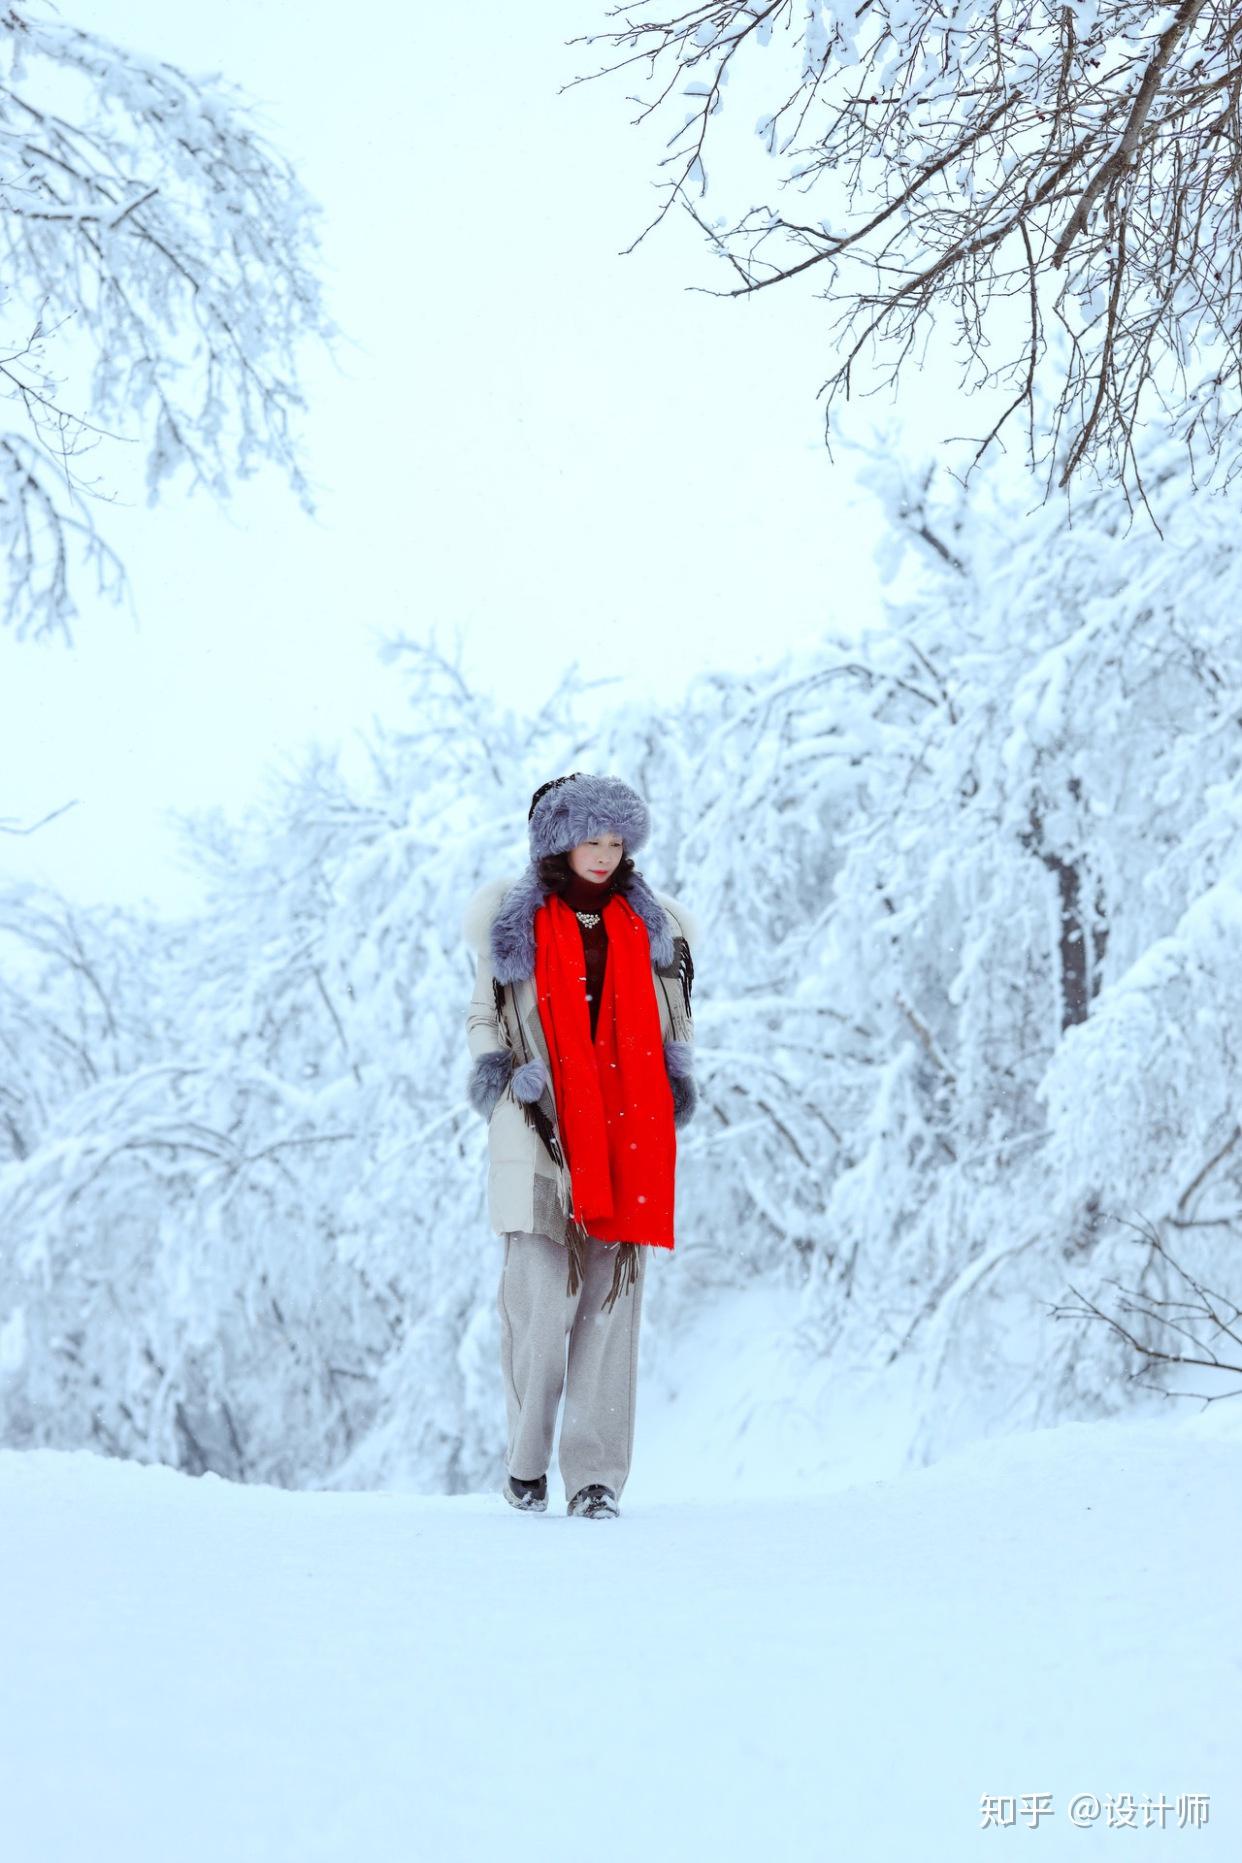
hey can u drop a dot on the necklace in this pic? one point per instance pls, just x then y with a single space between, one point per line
587 918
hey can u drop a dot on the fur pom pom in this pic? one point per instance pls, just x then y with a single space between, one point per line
685 1097
679 1059
489 1076
530 1079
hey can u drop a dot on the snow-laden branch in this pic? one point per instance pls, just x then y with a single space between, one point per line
152 235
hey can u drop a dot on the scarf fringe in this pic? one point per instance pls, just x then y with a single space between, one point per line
535 1117
624 1267
624 1272
575 1246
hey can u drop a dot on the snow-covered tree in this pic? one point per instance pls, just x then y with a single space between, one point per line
1053 183
1034 911
158 284
965 1008
260 1243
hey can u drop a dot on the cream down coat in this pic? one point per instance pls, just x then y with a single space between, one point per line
526 1188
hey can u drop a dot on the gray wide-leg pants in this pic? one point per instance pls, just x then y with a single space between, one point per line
537 1318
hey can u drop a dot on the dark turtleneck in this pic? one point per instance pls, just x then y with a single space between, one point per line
591 896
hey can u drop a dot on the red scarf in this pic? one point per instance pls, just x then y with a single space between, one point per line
614 1105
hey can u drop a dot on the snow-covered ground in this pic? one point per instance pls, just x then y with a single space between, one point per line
198 1672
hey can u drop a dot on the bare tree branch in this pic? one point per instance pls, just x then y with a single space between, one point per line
1184 1319
1086 164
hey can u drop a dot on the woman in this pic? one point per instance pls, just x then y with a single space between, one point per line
580 1031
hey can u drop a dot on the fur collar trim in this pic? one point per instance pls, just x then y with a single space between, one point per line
499 922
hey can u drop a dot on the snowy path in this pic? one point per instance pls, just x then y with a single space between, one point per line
200 1673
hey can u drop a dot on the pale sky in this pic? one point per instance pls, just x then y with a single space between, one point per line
554 450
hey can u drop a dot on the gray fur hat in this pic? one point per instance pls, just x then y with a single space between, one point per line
575 808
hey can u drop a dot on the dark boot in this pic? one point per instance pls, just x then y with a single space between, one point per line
530 1496
594 1502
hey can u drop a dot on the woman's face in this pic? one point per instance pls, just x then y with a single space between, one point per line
597 860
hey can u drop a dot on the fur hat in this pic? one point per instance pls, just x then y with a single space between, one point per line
573 809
